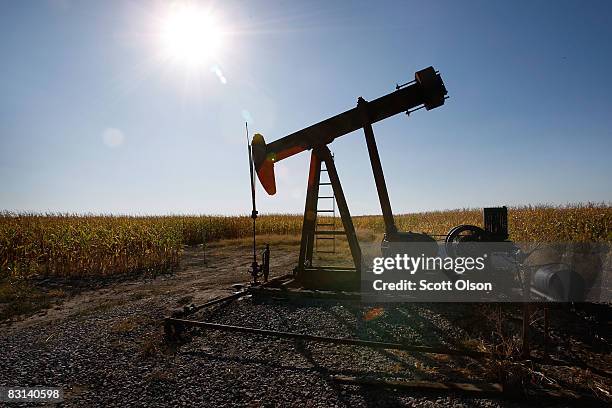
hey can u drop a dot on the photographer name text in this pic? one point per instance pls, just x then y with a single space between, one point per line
424 285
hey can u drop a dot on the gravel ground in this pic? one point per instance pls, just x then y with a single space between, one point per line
111 353
102 366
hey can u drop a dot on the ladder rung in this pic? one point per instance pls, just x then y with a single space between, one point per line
324 237
326 224
323 169
325 197
325 211
326 252
329 232
325 184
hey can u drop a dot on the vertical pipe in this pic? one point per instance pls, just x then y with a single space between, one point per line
526 316
526 324
546 334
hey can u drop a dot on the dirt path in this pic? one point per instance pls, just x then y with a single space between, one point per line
201 277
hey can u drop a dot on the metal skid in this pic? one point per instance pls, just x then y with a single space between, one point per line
179 321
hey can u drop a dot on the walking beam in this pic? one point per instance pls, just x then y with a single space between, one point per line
426 90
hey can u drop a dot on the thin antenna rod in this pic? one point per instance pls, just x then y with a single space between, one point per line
254 209
254 213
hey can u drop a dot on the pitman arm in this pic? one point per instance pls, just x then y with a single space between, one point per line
428 90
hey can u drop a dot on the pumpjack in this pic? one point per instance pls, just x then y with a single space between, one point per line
428 91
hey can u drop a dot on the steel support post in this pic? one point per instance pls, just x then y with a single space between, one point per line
310 212
379 177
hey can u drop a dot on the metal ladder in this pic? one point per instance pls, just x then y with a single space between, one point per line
328 233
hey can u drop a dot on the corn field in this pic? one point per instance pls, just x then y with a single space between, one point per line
65 245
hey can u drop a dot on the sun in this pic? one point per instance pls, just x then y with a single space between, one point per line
190 35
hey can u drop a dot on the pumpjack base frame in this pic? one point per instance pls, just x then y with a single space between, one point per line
287 287
328 278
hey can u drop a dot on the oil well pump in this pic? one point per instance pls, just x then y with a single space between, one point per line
427 91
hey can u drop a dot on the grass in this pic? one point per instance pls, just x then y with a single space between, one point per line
65 245
19 297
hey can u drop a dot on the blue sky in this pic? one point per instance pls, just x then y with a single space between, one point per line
93 120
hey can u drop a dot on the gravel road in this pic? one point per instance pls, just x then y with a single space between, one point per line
105 347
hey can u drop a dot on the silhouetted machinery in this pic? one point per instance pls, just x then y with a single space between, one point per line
427 91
